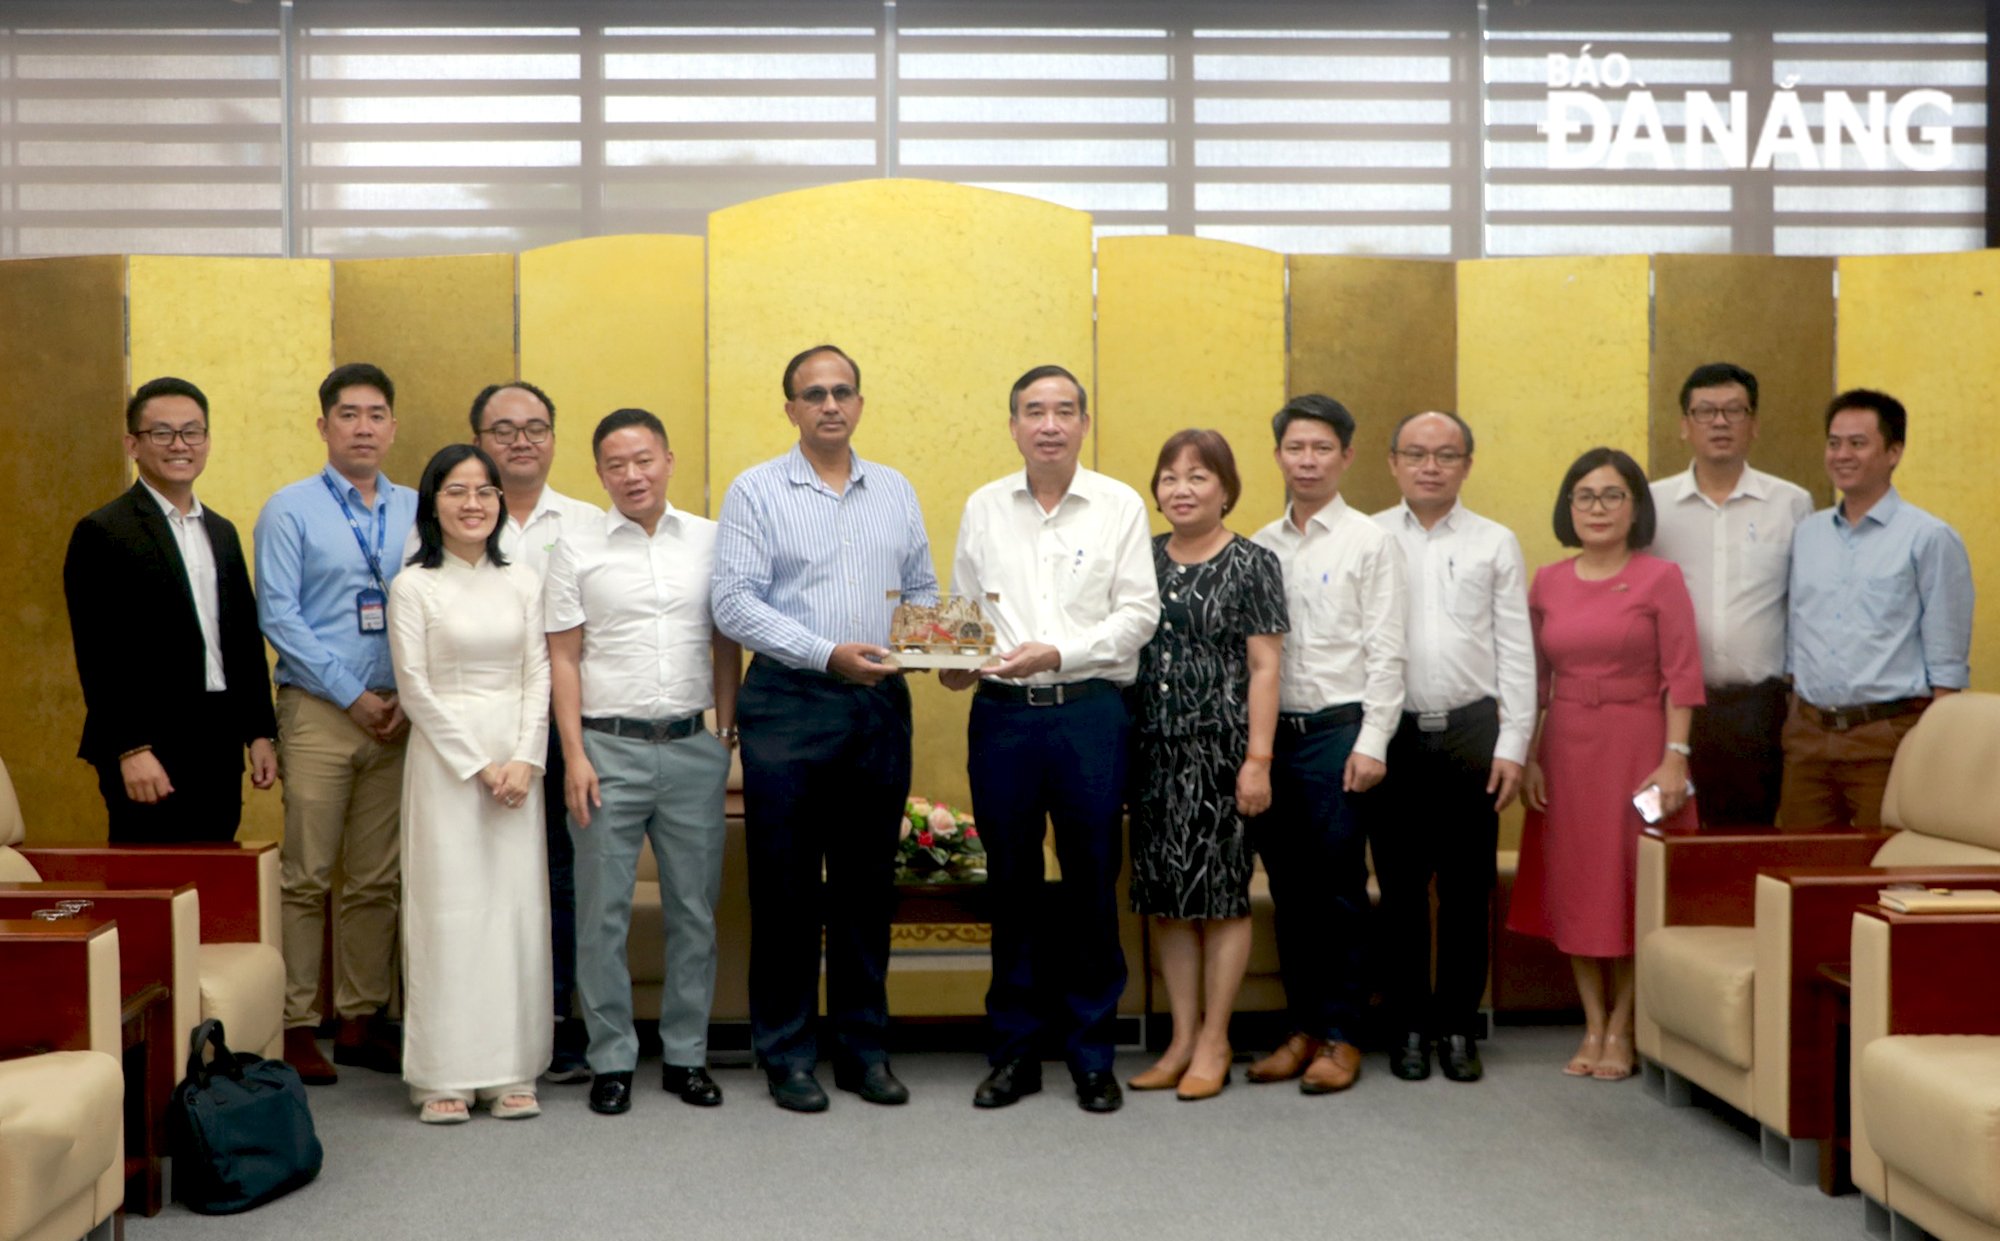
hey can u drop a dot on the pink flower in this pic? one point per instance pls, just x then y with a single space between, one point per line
971 832
943 823
925 840
904 834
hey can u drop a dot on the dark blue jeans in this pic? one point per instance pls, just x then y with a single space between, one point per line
1058 967
826 767
1315 853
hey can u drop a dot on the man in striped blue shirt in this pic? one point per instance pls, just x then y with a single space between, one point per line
815 549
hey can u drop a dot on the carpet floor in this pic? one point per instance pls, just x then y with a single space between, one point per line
1528 1153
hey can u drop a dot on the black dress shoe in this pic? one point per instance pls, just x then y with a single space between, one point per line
1009 1083
1098 1092
1458 1057
611 1094
874 1083
693 1085
372 1042
1412 1061
797 1090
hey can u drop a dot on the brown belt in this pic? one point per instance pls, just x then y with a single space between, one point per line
1840 719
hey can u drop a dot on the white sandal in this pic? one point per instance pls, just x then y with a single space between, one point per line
503 1110
441 1112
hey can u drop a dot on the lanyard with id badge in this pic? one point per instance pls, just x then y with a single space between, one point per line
371 603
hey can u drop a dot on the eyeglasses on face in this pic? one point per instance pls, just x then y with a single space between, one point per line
1706 414
1610 500
164 437
1445 457
458 493
843 393
537 432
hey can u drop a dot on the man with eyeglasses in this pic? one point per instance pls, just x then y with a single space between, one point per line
515 423
1455 761
169 706
1881 622
326 551
1729 528
815 549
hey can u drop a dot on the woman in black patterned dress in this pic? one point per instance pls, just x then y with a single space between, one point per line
1206 709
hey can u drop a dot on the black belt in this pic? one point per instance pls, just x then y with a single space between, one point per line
654 731
1045 695
1445 721
1840 719
1319 721
1717 695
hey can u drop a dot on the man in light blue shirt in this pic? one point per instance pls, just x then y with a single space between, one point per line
1881 622
814 551
327 548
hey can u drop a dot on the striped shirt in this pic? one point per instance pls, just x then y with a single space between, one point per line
801 569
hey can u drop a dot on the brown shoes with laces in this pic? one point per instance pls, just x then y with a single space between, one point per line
1334 1068
1287 1062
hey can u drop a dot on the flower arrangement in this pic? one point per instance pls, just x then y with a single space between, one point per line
938 845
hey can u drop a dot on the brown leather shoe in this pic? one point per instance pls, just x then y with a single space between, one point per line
1334 1068
302 1053
369 1043
1285 1063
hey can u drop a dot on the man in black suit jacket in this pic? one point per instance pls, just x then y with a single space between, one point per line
167 647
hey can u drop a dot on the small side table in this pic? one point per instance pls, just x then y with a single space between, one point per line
1832 989
148 1048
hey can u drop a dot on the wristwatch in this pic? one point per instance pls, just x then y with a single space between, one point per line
1681 748
726 734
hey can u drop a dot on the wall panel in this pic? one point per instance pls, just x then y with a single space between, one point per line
443 328
1772 316
1923 327
1190 333
61 347
257 336
1380 336
944 295
609 322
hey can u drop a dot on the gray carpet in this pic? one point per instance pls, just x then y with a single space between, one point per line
1526 1154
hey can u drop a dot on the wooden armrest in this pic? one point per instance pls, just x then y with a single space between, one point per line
45 973
144 916
226 875
1940 972
1711 877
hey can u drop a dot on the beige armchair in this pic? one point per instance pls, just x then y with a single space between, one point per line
62 1128
1925 1073
1732 928
240 967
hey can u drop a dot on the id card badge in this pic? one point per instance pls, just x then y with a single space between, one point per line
371 610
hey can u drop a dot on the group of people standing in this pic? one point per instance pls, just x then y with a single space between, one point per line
491 695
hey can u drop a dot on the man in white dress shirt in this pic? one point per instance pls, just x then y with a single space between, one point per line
515 423
1061 559
634 661
1455 762
1729 528
1340 700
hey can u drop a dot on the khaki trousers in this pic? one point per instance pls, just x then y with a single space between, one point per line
343 794
1836 779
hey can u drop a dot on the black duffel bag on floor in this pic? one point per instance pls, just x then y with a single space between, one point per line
238 1128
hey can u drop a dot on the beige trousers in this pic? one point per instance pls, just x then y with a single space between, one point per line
343 790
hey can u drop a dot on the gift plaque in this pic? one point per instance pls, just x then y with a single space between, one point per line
953 633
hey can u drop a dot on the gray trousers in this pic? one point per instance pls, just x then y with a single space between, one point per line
671 792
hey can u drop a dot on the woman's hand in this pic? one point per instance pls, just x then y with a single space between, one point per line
1672 778
1253 787
1534 787
512 788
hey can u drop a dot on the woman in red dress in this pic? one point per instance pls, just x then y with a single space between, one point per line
1620 671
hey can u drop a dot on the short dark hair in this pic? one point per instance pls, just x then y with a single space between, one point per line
799 359
619 419
1889 412
1716 374
1396 436
430 533
1036 375
492 390
1645 520
352 375
165 385
1319 409
1212 451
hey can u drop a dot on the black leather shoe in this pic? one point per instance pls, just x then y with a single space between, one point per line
1009 1083
1412 1061
1458 1058
611 1094
797 1090
1098 1092
372 1042
693 1085
874 1083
